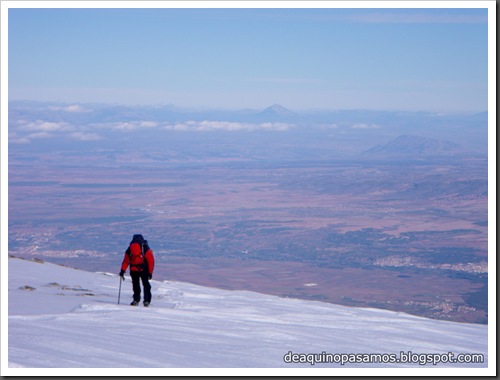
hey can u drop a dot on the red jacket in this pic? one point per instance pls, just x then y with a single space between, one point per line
148 257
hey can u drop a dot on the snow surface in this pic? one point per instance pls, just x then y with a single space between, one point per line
60 317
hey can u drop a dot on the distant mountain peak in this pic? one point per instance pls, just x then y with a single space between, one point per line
278 110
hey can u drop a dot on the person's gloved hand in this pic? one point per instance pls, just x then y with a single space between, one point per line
150 276
122 272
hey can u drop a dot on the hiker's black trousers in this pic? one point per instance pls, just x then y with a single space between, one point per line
136 278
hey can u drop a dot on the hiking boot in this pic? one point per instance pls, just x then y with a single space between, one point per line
134 303
146 303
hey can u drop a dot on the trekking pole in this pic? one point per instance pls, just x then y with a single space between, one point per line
120 289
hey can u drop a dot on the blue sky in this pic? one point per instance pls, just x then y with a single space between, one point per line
391 59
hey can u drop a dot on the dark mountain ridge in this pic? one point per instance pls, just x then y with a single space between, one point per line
412 145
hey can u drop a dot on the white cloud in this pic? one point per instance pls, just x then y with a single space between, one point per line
20 140
125 126
131 125
40 129
71 108
47 126
40 135
15 139
148 124
83 136
365 126
275 126
74 108
206 126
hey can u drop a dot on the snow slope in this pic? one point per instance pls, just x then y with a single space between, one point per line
60 317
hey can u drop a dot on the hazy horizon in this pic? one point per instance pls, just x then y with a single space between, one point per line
71 106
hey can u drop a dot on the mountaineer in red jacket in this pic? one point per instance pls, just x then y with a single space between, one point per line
142 262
